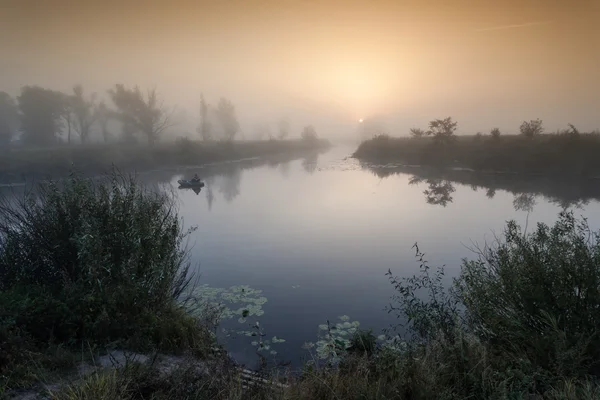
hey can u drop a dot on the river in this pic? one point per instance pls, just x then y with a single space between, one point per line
318 234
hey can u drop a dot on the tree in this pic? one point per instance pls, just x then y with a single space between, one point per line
103 116
83 112
495 133
442 130
283 129
573 131
204 129
9 120
261 130
227 119
532 128
41 112
309 134
417 133
66 114
140 113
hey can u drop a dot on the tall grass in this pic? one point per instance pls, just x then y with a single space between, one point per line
549 153
93 263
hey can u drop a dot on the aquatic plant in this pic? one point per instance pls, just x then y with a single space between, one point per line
239 303
334 340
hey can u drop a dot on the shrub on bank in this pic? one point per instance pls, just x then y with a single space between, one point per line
93 263
519 322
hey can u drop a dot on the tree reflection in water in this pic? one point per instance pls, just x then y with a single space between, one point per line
309 163
438 192
565 192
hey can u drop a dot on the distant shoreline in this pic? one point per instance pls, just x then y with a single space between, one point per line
20 166
542 155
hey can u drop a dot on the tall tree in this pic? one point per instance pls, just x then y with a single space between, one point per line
41 111
227 119
9 120
66 114
204 129
83 112
140 112
442 130
309 134
103 115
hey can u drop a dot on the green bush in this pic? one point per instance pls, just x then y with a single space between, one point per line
521 320
539 295
94 262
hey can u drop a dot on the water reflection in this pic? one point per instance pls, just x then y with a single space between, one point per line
228 184
438 192
524 202
563 192
309 163
210 195
196 190
224 178
284 168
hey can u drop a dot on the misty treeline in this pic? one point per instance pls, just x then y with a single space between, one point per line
443 130
41 117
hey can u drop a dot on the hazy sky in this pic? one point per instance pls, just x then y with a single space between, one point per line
487 63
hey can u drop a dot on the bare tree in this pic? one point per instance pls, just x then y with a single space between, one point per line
142 113
83 112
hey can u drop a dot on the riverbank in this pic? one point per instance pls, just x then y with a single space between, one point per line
549 154
96 302
20 165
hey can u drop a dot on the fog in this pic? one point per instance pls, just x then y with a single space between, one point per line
325 63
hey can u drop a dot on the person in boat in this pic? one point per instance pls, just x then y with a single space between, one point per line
196 178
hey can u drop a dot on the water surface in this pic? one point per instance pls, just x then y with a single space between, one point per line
318 234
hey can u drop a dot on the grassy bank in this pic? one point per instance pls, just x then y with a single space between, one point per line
92 266
98 158
541 154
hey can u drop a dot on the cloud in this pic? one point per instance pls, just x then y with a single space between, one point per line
503 27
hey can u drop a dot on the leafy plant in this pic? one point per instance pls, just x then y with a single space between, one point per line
532 128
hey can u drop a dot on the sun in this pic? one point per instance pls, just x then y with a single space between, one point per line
360 120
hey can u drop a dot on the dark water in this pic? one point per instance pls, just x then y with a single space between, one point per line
317 234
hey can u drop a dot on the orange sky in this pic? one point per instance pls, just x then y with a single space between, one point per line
485 62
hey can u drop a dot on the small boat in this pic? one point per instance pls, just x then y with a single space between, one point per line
190 184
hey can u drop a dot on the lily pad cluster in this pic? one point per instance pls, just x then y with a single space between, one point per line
239 302
242 303
334 339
